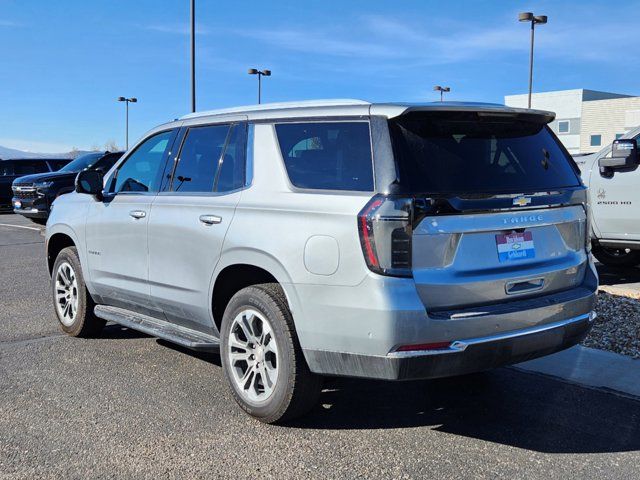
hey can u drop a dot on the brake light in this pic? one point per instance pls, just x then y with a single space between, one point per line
385 227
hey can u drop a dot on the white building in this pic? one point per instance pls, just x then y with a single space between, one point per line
580 133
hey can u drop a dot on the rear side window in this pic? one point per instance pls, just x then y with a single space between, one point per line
7 168
327 155
211 160
23 167
467 153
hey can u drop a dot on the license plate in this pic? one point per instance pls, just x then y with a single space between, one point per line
515 246
17 204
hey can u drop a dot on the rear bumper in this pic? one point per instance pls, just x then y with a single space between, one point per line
462 357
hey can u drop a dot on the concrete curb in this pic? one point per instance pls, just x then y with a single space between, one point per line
590 368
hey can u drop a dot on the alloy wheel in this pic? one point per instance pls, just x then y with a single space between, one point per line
253 355
66 294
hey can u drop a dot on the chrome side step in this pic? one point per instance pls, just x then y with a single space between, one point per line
182 336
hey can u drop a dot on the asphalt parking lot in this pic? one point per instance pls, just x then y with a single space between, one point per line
129 406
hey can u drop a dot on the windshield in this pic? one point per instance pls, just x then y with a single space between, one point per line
468 153
82 162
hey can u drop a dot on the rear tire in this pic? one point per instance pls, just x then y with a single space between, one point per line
71 300
39 221
616 257
262 359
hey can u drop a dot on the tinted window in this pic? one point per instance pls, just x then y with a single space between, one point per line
596 140
211 159
199 158
232 169
22 167
327 155
462 153
141 170
6 168
57 164
107 161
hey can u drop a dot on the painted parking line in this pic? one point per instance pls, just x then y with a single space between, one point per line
19 226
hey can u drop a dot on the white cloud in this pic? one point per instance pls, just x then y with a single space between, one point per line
441 41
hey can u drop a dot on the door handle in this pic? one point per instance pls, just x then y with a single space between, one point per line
210 219
138 214
525 286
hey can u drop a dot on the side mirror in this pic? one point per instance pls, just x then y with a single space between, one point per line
90 182
624 156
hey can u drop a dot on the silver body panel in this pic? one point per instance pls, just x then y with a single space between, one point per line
165 264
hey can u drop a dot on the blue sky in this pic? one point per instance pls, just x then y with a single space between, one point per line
65 62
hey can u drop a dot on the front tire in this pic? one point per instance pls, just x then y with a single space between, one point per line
71 299
262 359
616 257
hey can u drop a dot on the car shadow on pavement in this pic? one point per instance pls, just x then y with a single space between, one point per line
504 406
617 275
113 331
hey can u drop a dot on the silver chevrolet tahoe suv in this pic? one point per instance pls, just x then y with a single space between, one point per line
333 238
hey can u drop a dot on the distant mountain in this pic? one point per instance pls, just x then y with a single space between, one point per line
6 152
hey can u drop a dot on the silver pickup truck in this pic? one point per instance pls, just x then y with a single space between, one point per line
613 178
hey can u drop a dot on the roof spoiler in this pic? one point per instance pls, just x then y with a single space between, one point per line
487 111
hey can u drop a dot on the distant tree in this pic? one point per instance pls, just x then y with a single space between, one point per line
95 147
112 146
74 152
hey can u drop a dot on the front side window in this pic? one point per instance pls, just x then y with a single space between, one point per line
141 171
82 162
596 140
57 164
327 155
211 160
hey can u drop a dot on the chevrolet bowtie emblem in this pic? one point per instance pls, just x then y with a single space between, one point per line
521 201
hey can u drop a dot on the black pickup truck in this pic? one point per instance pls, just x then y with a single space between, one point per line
17 167
34 194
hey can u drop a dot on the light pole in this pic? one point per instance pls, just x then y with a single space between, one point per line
533 19
260 73
442 90
193 55
126 101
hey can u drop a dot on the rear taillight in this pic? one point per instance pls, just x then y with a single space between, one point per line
385 226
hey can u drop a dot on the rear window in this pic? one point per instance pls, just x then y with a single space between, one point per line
467 153
327 155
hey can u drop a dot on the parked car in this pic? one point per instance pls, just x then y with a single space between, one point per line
612 176
388 241
17 167
34 194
